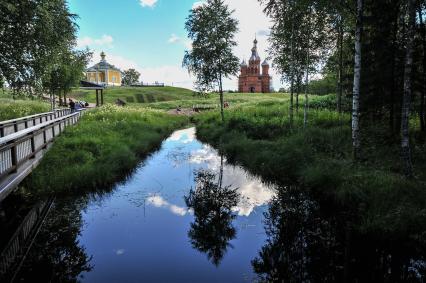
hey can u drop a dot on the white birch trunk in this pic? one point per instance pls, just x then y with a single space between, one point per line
406 103
356 144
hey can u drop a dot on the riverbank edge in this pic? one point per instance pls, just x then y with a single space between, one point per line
378 202
103 149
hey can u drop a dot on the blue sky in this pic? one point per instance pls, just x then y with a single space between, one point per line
150 36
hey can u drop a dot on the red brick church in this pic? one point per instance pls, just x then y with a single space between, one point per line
250 79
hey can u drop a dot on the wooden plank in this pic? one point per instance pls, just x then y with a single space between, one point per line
20 134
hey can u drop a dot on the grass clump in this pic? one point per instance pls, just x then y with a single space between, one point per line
12 109
103 148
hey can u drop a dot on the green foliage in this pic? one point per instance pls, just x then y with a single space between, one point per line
33 35
323 86
212 30
130 76
67 73
105 146
12 109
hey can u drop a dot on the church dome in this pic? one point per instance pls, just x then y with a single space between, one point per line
265 63
254 55
243 64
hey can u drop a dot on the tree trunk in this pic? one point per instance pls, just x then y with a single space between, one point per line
422 97
356 144
65 98
306 107
406 103
297 96
392 127
221 99
340 73
292 74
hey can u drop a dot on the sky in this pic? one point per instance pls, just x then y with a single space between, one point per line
150 35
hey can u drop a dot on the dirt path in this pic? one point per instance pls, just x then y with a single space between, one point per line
182 112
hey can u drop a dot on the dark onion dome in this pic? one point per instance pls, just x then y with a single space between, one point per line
103 65
243 64
265 63
254 55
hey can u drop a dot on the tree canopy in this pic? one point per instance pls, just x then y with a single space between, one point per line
130 76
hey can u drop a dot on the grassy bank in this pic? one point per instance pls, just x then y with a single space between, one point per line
259 137
171 97
106 144
135 94
11 109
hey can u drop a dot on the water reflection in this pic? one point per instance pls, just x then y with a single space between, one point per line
253 193
56 254
307 244
212 205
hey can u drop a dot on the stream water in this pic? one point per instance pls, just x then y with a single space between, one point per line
186 215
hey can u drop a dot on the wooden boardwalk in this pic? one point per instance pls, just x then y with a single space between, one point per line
25 140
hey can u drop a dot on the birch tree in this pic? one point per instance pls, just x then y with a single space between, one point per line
406 103
356 144
212 29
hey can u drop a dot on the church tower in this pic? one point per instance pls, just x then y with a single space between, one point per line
251 78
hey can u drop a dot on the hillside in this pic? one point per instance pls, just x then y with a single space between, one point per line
135 94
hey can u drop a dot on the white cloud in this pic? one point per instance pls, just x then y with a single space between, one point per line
183 136
197 4
105 40
185 42
252 191
169 74
160 202
85 41
173 38
148 3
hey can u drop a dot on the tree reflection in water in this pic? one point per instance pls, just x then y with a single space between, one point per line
306 244
212 204
57 255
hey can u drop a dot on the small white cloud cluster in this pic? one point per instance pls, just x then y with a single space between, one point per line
105 40
197 4
176 39
148 3
159 201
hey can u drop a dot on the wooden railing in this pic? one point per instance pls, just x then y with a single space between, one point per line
17 149
13 126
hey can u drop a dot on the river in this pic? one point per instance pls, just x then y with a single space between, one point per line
186 215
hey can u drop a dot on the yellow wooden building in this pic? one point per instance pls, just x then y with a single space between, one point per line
104 73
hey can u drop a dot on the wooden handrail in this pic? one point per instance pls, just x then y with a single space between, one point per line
15 136
19 151
15 125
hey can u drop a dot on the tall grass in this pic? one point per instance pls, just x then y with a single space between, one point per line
11 109
106 144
